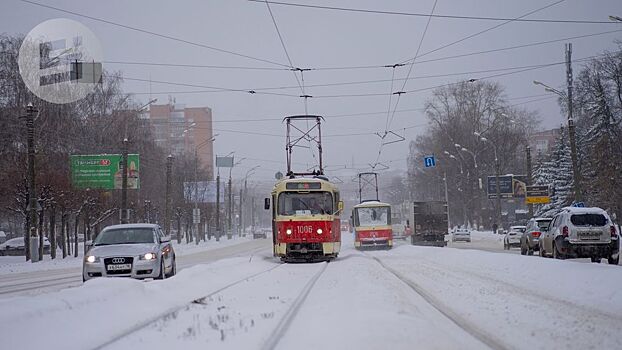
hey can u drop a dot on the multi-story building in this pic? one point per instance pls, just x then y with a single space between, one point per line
542 142
180 129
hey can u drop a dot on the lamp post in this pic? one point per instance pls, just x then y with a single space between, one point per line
243 194
230 200
498 188
578 193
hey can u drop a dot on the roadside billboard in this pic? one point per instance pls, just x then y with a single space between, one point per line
510 186
537 195
103 171
224 162
203 192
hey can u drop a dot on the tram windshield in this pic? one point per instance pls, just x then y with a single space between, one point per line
373 216
310 203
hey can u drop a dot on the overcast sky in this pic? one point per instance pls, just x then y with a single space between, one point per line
317 38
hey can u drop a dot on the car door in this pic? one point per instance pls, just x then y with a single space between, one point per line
550 234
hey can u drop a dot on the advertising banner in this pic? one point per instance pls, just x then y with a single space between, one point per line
103 171
510 186
538 195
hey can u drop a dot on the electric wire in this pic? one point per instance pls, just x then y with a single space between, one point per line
414 14
145 31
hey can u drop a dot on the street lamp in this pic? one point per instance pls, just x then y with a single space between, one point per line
464 149
196 215
230 199
498 188
243 195
571 135
456 159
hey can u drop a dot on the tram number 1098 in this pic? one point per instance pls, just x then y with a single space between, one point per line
304 229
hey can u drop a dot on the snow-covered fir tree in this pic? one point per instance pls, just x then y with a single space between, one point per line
556 171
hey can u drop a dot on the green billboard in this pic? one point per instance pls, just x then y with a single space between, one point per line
103 171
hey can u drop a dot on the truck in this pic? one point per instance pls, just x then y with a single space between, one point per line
429 223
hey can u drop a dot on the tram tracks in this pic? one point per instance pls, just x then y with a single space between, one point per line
214 313
479 334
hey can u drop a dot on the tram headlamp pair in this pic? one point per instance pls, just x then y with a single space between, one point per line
319 231
288 231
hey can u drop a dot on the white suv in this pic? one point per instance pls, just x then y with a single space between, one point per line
581 233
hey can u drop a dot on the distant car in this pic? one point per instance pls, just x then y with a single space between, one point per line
261 233
461 235
15 246
130 250
513 236
531 236
581 233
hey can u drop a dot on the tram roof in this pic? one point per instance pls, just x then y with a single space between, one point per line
371 204
326 185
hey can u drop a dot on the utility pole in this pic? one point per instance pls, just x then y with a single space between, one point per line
30 244
578 193
528 156
447 201
240 213
498 186
196 215
230 207
124 211
218 206
167 200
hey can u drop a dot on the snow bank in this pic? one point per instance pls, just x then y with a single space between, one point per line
101 309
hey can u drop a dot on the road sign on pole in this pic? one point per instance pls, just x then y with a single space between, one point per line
429 161
196 216
537 195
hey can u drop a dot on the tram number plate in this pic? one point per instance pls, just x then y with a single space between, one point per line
304 229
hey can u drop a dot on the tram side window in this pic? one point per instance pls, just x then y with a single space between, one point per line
311 203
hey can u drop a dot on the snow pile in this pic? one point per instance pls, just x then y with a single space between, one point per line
102 309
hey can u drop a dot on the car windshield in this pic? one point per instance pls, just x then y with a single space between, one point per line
543 224
308 203
125 236
372 216
520 229
588 220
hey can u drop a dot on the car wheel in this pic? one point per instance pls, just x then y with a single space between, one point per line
556 254
529 251
595 259
541 251
173 268
613 261
523 249
162 274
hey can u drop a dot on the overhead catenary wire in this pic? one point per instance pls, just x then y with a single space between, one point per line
160 35
440 16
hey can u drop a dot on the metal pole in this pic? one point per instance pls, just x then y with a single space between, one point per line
230 207
245 196
218 206
578 193
447 200
240 213
32 196
498 187
124 211
528 155
196 198
167 201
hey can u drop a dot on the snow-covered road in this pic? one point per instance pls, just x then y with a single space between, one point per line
409 297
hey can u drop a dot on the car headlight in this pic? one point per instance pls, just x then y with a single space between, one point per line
319 231
92 259
148 256
288 231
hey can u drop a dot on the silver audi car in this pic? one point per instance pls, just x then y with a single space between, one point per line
130 250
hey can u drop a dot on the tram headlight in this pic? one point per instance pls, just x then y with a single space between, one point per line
319 231
288 231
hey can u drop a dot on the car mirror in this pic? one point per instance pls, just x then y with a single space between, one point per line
88 245
266 203
165 239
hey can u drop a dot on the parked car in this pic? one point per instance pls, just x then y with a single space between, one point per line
261 233
513 236
15 246
531 236
130 250
581 233
461 235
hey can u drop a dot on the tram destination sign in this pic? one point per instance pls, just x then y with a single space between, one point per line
103 171
303 186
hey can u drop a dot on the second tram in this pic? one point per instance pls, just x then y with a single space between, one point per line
372 225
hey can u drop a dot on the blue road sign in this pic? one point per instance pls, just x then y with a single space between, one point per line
429 161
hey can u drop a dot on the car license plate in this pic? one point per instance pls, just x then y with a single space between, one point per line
589 235
119 267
